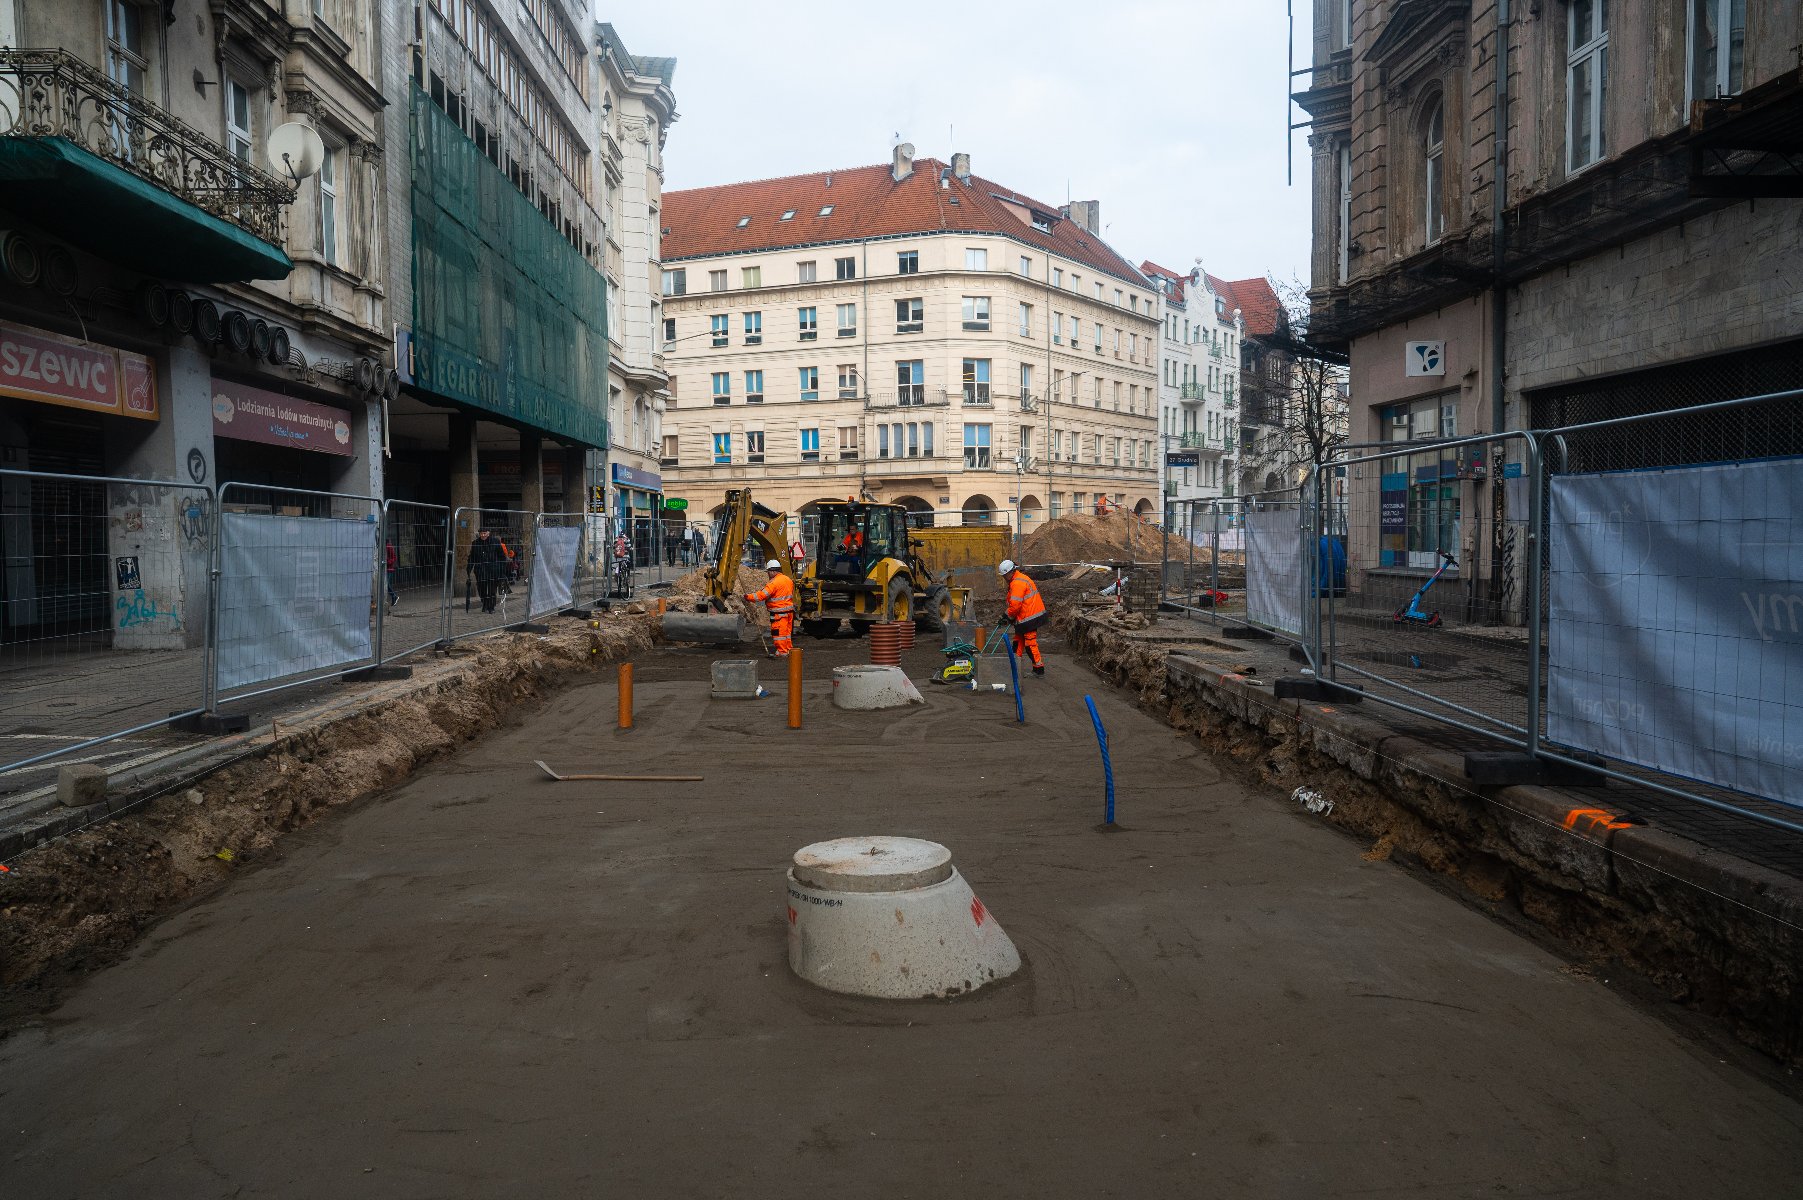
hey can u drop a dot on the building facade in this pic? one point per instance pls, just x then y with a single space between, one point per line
637 108
177 303
908 332
499 259
1199 349
1638 252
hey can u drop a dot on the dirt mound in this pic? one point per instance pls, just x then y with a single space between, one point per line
1082 537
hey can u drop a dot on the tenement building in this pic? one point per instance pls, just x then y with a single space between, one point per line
191 290
908 332
1638 251
1198 408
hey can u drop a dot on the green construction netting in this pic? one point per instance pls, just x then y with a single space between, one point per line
507 317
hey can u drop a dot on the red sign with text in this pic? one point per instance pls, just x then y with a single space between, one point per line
41 366
251 414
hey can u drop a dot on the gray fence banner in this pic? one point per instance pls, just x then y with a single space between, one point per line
1274 568
295 595
554 568
1676 623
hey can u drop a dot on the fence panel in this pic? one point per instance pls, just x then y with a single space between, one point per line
103 609
488 588
557 546
1274 561
1423 579
298 588
416 553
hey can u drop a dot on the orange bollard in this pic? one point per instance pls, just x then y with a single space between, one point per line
661 601
795 688
982 639
626 695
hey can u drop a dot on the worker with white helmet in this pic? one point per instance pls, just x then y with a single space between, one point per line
1026 612
778 598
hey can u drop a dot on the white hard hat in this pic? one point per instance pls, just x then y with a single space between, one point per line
1006 566
773 565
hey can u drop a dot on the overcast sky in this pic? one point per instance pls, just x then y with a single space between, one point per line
1170 112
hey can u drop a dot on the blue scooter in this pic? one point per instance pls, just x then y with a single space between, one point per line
1413 612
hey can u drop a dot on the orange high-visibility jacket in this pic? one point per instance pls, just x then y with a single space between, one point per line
1024 603
778 596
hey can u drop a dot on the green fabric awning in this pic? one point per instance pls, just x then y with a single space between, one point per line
108 211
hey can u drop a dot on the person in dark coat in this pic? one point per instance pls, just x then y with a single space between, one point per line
489 565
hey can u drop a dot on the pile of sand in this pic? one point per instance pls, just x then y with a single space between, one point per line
1082 537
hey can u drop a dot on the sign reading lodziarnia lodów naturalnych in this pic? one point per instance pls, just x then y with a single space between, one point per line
50 369
252 414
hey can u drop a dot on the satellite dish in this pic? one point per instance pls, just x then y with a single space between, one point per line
295 151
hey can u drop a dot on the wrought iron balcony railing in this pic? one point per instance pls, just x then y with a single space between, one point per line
53 94
1194 391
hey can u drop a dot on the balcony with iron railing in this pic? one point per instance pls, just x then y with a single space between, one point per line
909 396
77 151
1193 393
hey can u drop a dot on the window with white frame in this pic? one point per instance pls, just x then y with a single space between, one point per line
845 268
848 441
722 387
910 315
848 381
976 381
848 320
328 207
716 325
754 328
910 382
805 272
1057 277
976 447
667 457
1057 328
1345 217
1026 380
1717 37
1026 267
976 259
754 445
722 449
127 58
976 314
716 281
754 387
237 120
1026 320
1586 82
810 445
1433 151
676 282
809 322
1342 24
669 332
810 383
907 262
751 277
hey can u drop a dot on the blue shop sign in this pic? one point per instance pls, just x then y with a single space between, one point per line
625 476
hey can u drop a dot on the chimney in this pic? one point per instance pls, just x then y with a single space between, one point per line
904 162
961 167
1088 214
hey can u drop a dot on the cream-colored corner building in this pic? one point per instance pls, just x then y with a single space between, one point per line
636 110
908 332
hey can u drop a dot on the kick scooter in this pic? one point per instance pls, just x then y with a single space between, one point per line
1413 612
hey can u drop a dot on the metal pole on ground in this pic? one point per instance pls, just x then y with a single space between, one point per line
626 695
1214 555
1189 569
1164 559
795 688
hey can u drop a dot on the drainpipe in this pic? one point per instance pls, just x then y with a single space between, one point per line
1498 228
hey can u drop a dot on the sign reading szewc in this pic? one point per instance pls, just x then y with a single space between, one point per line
35 365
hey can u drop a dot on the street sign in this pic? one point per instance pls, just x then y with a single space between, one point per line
675 502
597 498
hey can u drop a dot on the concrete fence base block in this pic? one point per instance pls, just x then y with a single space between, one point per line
1246 633
1508 768
868 688
80 785
891 918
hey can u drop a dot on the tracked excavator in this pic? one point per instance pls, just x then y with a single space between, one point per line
864 567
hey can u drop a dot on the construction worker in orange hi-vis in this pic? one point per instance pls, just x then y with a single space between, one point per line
1026 612
778 598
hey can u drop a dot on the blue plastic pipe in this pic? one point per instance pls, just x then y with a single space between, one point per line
1020 709
1102 744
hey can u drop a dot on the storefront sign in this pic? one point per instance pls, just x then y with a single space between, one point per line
40 366
1424 358
253 415
1393 519
675 503
625 476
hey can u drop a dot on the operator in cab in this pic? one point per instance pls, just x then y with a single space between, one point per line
778 598
1026 612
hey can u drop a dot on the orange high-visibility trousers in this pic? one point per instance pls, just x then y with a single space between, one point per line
1029 640
782 631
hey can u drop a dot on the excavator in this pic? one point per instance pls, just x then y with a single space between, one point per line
866 566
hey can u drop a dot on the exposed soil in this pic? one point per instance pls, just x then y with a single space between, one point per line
1115 537
77 902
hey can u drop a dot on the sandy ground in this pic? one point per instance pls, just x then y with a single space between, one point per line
486 984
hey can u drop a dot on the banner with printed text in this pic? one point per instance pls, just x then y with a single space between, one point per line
1676 621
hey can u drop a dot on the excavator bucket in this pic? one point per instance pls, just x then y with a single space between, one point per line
710 629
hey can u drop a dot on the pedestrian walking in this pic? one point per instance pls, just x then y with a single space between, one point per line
1026 612
488 563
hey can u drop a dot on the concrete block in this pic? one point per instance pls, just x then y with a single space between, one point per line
80 785
735 679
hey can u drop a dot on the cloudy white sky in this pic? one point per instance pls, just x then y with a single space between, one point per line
1170 112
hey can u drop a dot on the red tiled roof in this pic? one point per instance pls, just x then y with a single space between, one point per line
1257 302
1152 270
868 203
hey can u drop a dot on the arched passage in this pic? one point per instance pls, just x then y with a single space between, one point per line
1143 508
1031 513
979 510
920 513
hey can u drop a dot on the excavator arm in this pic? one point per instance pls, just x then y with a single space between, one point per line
745 521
